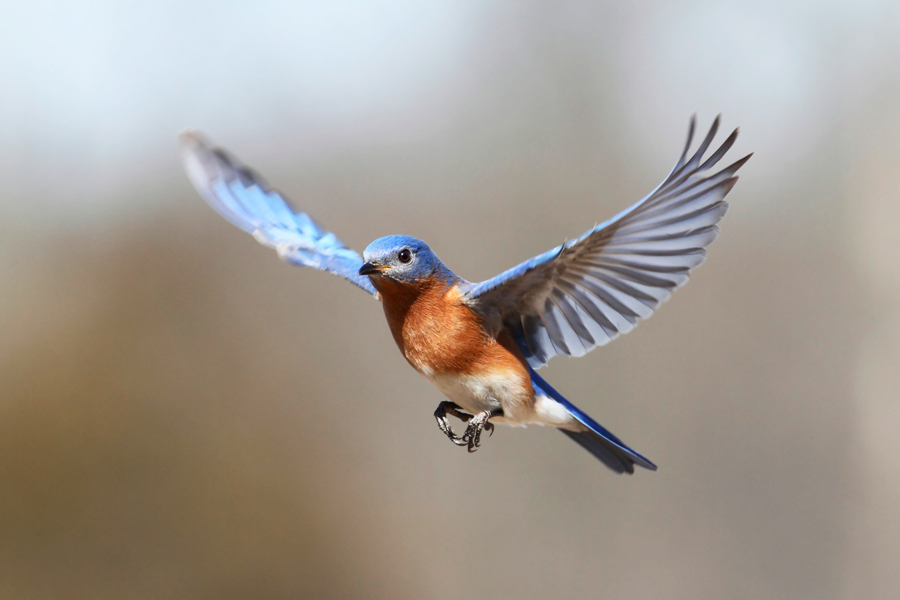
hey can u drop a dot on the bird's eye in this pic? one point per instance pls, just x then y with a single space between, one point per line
404 256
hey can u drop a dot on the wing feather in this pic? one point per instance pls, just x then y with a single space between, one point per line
590 290
243 198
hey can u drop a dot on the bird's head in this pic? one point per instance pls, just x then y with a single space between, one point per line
403 259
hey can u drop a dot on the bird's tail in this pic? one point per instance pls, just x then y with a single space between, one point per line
597 439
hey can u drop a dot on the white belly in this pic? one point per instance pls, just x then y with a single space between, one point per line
478 393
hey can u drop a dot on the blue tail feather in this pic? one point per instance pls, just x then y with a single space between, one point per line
597 440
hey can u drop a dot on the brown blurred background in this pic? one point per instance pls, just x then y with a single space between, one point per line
184 416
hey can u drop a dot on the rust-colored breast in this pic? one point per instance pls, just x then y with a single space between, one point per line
440 335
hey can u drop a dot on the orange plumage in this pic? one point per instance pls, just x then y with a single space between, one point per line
438 334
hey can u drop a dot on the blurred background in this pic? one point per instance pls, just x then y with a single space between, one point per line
184 416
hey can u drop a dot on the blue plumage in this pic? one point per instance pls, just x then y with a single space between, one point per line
597 440
245 200
588 291
422 263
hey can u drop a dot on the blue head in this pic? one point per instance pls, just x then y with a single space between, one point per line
403 259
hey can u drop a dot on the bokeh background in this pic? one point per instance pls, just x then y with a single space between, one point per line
184 416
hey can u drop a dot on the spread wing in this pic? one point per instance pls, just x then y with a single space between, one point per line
588 291
244 199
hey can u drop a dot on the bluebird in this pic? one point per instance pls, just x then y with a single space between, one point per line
481 343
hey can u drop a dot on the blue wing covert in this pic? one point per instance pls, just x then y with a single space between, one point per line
244 199
588 291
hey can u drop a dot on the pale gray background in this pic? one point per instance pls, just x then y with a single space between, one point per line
183 416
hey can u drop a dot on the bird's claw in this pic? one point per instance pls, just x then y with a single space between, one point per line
440 415
471 438
478 424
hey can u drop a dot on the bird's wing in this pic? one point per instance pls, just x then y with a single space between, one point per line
244 199
590 290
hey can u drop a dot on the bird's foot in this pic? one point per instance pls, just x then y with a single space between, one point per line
478 424
440 415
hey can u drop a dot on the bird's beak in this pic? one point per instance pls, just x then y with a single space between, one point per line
370 269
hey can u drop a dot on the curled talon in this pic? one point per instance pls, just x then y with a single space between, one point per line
440 415
477 424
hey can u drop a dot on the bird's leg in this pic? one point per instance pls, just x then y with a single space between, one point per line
440 415
477 424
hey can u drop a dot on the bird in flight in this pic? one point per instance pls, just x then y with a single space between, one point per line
481 343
